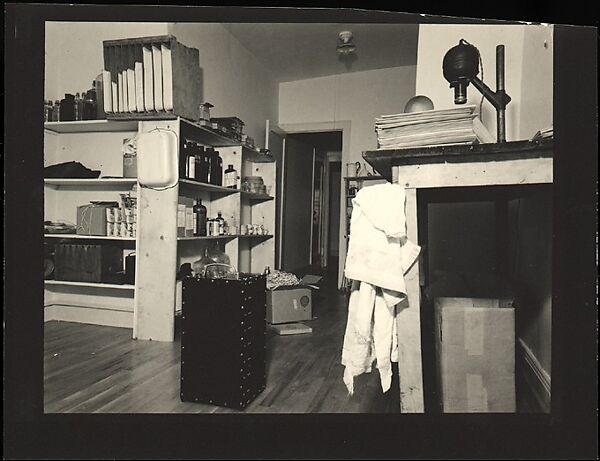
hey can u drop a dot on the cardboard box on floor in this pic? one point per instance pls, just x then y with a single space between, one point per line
475 354
291 303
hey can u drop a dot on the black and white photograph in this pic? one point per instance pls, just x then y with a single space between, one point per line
263 224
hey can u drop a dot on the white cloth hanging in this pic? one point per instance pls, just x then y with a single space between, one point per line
379 255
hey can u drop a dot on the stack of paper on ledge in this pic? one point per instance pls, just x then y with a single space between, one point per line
430 128
544 134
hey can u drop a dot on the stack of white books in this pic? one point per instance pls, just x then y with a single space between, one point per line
459 125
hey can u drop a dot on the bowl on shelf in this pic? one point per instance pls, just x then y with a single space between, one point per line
253 184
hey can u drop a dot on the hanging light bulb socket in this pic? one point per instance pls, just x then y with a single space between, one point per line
345 45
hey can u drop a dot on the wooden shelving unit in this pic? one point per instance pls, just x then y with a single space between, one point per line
161 260
96 144
149 306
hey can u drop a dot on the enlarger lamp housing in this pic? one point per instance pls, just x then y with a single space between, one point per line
460 66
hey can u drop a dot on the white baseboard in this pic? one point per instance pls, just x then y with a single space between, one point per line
538 380
89 315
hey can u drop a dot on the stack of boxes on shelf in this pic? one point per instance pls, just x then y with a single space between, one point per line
108 218
122 221
89 263
186 227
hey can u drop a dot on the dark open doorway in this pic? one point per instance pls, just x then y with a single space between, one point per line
311 201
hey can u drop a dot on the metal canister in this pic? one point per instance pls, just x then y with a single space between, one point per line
215 226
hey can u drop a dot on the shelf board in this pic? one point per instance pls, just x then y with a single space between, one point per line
207 187
207 136
208 237
383 161
92 126
251 155
89 237
210 137
256 236
89 284
363 178
97 182
254 196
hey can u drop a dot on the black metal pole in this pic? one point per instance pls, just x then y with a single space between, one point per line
500 113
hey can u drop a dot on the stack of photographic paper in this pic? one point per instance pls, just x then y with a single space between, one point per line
430 128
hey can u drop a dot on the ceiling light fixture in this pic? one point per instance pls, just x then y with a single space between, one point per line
345 45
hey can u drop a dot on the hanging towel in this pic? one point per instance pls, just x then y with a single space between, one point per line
379 254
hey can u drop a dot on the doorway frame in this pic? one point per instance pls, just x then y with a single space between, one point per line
332 157
314 127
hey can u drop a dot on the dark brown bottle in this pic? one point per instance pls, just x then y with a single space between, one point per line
203 165
212 164
67 108
200 211
216 168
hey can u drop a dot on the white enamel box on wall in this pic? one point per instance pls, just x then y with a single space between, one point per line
157 159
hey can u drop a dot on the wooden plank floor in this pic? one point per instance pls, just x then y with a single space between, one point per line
95 369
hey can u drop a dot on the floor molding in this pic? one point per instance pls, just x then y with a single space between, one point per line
537 379
89 315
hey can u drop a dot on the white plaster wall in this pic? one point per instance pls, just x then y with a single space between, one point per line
233 79
357 97
74 53
436 40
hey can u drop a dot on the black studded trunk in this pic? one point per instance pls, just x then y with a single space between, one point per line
223 340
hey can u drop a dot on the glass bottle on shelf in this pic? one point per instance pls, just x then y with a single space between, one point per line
48 111
200 211
202 165
89 103
190 161
183 159
77 106
221 221
56 111
230 177
218 255
67 108
212 164
219 177
233 226
197 161
199 267
216 167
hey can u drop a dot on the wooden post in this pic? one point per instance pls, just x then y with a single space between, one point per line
156 258
156 265
410 367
